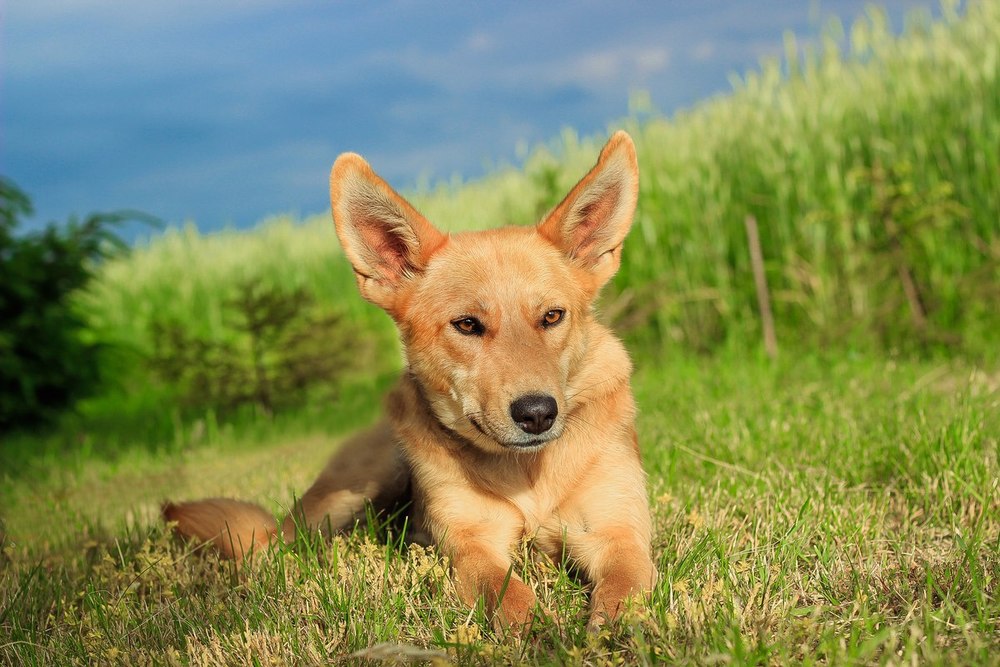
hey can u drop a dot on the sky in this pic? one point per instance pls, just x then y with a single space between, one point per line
222 113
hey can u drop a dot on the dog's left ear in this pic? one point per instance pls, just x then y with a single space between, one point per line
591 223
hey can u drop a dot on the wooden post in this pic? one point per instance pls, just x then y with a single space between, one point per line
916 302
760 282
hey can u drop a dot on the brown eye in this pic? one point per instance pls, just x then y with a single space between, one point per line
553 317
469 326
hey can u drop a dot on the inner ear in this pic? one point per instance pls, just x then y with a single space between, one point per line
387 242
586 235
384 237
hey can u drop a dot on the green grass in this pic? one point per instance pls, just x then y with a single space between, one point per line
841 508
836 509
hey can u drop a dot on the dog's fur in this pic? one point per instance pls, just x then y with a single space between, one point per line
488 318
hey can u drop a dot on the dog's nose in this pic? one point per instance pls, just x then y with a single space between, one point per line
534 413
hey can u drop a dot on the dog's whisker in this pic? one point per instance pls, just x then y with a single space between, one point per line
581 390
579 420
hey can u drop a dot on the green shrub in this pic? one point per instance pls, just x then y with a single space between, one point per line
48 360
277 346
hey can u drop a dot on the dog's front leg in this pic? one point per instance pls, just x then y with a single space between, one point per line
481 572
478 545
621 568
610 541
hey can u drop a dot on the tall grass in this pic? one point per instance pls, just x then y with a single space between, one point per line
861 167
856 165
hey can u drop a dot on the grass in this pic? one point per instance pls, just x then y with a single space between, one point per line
841 510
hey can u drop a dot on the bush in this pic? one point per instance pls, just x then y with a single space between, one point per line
47 359
276 347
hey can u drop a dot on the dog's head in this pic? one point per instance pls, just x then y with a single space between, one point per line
494 323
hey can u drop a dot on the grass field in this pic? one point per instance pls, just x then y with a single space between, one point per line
816 509
839 508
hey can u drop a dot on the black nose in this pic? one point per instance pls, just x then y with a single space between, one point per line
534 413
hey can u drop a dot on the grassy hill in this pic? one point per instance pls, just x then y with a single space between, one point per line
857 165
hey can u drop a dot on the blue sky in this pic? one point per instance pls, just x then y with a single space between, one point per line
224 112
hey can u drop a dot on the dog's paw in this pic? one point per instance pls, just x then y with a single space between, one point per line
519 612
598 620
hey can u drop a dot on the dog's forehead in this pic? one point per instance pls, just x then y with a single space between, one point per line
498 265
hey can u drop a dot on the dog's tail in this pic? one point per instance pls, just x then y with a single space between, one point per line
236 528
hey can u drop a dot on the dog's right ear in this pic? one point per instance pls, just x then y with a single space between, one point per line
385 239
591 223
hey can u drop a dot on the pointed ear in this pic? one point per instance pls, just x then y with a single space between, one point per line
591 223
385 239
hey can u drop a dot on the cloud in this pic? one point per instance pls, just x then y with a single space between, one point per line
703 50
480 42
614 65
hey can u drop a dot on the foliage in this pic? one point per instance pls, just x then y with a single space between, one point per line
279 346
903 215
47 358
833 509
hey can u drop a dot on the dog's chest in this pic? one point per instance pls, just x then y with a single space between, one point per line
538 499
536 508
545 524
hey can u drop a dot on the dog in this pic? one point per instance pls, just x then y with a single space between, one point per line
514 417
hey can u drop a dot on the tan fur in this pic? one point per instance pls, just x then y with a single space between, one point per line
481 481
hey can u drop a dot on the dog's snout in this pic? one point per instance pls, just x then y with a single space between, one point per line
534 413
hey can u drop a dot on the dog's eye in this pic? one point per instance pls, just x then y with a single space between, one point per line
553 317
469 326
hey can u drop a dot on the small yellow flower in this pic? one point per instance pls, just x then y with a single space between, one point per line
466 634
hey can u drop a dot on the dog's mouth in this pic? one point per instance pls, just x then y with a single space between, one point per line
530 446
514 445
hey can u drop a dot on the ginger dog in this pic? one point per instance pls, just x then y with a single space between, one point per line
514 417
